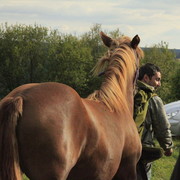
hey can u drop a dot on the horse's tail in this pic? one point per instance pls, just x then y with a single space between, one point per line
10 111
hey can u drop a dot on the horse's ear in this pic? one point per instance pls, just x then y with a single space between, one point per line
106 40
135 41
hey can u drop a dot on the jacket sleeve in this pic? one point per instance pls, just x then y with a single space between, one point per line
160 123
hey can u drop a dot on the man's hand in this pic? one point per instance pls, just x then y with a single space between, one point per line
168 152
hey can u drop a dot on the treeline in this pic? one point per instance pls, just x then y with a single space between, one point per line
38 54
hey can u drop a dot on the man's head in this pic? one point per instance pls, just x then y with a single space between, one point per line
150 74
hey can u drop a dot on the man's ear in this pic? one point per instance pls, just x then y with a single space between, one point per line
146 78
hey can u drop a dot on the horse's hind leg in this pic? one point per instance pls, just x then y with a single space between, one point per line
52 173
126 171
42 157
49 165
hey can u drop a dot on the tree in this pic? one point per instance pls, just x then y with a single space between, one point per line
37 54
69 64
161 56
175 83
23 52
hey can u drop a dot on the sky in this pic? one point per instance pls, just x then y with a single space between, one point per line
155 21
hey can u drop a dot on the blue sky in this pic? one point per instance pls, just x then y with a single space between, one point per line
153 20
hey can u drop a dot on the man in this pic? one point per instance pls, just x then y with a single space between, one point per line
156 122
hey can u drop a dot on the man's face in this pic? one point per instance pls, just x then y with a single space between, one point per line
155 80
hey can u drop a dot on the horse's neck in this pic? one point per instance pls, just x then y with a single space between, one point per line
130 99
129 95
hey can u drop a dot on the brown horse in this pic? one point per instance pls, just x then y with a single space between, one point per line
48 132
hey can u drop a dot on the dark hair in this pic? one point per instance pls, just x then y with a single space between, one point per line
148 69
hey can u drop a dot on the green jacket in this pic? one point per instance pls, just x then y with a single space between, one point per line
141 101
156 122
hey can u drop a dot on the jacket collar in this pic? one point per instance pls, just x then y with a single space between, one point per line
145 86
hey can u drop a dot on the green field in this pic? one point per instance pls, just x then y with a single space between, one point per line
163 167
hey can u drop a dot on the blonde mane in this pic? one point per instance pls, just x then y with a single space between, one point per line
118 65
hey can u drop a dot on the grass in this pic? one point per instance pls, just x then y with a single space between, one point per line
162 168
25 178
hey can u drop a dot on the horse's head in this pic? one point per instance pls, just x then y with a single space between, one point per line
120 67
113 44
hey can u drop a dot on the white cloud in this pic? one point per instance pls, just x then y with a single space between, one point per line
153 20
